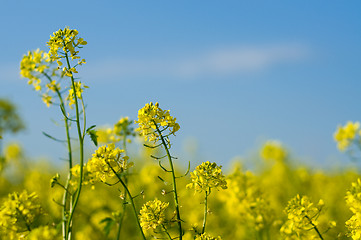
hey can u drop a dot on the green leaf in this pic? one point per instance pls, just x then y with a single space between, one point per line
52 138
109 222
93 135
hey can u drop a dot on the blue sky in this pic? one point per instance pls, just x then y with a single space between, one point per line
234 73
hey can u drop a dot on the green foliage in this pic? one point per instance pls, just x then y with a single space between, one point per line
10 120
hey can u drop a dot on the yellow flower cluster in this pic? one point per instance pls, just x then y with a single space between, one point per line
353 200
13 151
152 214
106 135
79 90
273 150
37 64
121 130
207 176
43 233
206 236
18 212
106 162
33 65
88 177
123 127
245 200
153 121
64 43
345 135
302 216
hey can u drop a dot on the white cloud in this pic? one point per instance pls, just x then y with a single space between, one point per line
220 62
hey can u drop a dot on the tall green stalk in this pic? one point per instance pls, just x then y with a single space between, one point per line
126 194
175 193
70 156
205 211
131 200
81 149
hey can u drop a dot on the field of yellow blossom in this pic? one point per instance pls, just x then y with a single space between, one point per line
116 195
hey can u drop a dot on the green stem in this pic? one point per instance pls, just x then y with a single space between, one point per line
130 198
315 227
24 219
205 212
121 218
125 197
81 145
167 233
66 187
175 193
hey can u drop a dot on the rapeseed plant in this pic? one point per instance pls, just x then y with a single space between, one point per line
347 134
156 125
206 177
353 201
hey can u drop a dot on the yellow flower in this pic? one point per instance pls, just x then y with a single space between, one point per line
207 176
65 40
152 214
106 135
106 162
153 120
19 211
33 65
302 216
64 43
206 236
13 151
79 87
53 86
344 135
43 233
353 200
273 150
123 127
46 99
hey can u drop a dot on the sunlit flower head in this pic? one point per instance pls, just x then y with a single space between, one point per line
79 87
353 201
13 151
65 43
346 134
273 150
106 162
43 233
302 216
207 176
153 120
33 65
123 127
18 211
152 214
206 236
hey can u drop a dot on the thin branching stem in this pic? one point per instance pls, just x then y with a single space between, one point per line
205 211
125 196
70 156
166 232
130 198
315 227
175 193
81 149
